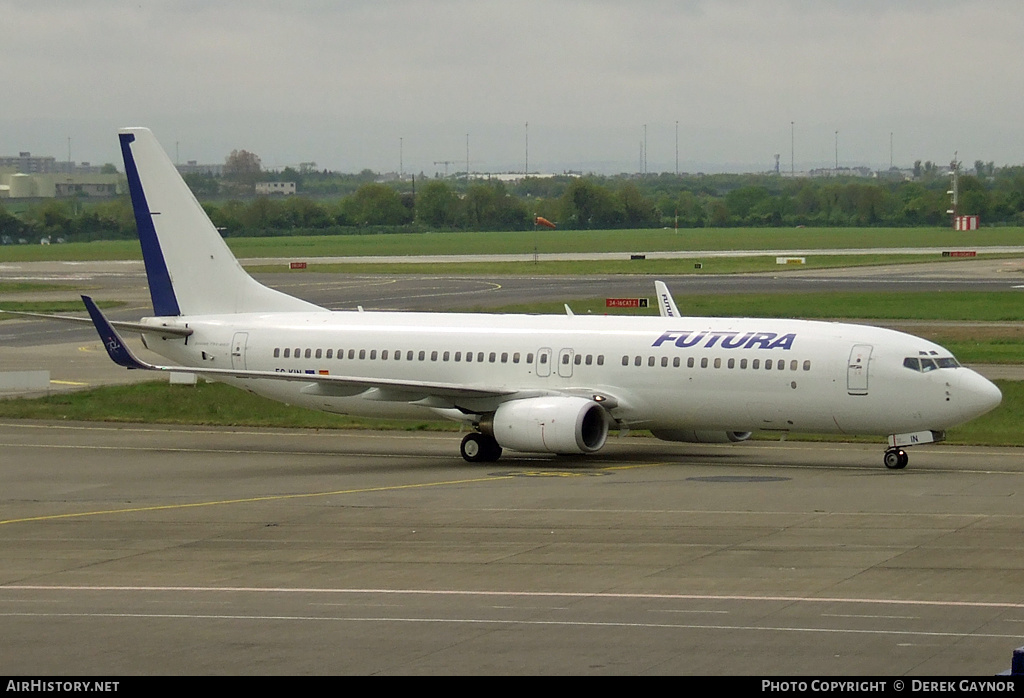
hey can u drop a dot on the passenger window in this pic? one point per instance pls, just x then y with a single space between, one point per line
675 362
529 358
362 354
578 360
383 355
408 356
422 355
732 363
638 360
309 353
565 359
433 356
664 362
330 353
807 365
718 363
743 363
277 352
515 358
480 356
287 353
447 355
319 353
373 354
458 356
689 362
590 358
755 364
625 361
492 357
298 353
543 358
504 357
600 359
704 362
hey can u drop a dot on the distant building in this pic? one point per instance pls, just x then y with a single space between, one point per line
193 167
18 185
26 163
269 188
841 172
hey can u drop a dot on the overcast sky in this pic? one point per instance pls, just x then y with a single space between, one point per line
353 84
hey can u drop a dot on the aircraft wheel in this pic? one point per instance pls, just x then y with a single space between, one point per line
479 448
896 459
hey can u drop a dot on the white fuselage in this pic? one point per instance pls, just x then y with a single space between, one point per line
739 374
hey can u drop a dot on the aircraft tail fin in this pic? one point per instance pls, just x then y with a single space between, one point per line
190 269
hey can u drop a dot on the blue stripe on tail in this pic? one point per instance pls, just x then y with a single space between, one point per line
160 288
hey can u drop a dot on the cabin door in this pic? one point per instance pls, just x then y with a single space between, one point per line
857 369
565 359
238 350
543 362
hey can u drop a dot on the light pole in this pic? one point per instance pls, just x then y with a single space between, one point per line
792 149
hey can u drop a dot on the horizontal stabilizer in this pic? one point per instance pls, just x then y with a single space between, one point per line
142 328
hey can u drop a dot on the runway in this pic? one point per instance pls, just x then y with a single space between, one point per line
149 550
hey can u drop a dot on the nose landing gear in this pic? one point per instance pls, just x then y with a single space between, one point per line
896 458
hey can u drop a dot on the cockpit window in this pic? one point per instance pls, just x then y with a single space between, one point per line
924 365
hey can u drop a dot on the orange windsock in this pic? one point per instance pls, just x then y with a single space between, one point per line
544 221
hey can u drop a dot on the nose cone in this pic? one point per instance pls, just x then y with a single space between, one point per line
975 394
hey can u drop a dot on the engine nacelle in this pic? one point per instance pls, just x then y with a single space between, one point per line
550 424
701 437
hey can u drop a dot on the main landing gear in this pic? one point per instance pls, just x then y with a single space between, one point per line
480 448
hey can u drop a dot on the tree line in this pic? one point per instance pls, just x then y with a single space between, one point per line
573 202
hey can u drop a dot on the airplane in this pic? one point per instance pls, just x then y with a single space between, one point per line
554 384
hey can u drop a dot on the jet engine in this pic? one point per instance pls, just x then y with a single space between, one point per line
549 424
701 437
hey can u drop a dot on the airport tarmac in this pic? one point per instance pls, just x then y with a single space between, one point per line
132 550
141 550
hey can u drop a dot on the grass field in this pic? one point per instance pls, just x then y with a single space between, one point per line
50 307
220 405
549 241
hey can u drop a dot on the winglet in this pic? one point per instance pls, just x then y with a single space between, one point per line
666 306
112 342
